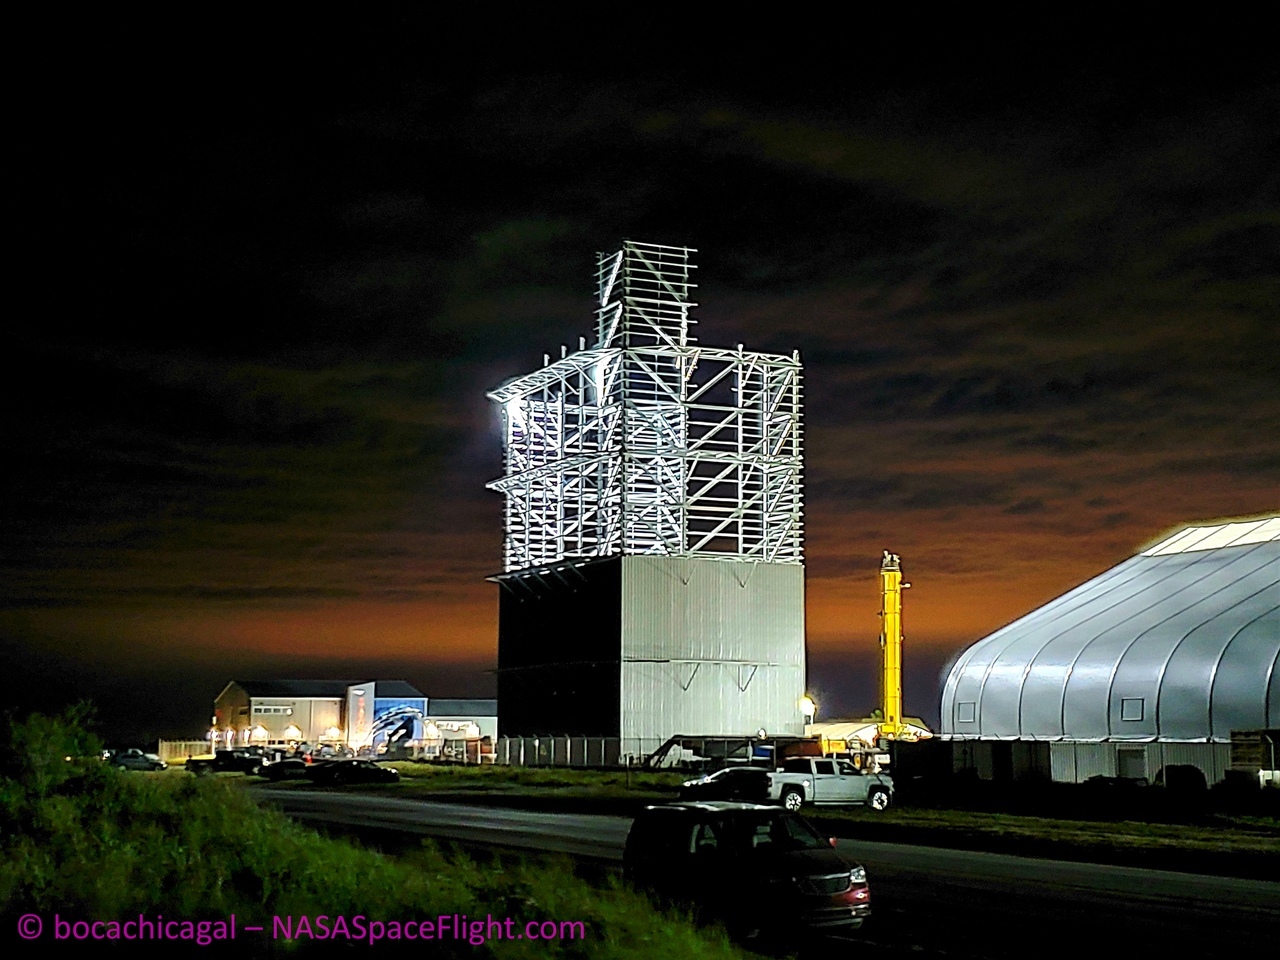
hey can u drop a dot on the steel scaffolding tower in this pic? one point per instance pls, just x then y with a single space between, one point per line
648 443
653 577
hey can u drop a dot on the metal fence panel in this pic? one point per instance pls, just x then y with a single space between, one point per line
1095 760
172 750
1062 762
571 751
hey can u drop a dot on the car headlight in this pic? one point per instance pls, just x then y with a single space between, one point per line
858 875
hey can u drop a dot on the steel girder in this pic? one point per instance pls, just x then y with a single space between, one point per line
649 443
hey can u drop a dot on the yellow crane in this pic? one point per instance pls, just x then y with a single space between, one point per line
887 722
892 725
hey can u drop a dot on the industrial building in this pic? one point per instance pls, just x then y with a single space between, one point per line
361 714
1156 662
653 578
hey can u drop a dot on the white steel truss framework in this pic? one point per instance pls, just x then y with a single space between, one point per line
648 443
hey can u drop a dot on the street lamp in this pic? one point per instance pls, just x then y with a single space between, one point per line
808 708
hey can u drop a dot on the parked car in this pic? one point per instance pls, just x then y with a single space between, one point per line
760 870
730 783
351 771
830 782
246 760
134 759
288 769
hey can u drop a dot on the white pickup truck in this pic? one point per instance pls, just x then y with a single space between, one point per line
829 781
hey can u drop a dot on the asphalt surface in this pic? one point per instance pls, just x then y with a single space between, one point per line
926 901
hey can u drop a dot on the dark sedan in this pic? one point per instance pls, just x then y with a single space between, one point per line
290 769
750 784
760 870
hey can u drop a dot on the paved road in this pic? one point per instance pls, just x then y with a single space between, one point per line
581 835
928 901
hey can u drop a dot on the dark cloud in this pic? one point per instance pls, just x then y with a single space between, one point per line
1038 318
1025 506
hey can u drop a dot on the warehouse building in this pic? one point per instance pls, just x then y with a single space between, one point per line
361 714
1155 662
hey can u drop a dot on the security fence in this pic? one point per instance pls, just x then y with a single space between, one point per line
173 750
573 751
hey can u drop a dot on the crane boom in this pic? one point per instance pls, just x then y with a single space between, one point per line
891 586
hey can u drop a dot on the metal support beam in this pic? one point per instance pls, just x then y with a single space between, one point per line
648 443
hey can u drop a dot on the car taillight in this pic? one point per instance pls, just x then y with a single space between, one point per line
854 895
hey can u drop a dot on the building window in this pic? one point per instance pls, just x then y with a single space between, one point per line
966 711
1131 708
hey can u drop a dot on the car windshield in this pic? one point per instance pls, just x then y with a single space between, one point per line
778 832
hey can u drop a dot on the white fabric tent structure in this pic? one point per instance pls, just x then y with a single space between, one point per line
1179 643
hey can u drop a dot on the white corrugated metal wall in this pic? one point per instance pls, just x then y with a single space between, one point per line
1076 762
711 647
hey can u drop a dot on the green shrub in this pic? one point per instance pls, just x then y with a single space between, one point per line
87 841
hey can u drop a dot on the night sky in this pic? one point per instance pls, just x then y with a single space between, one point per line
266 277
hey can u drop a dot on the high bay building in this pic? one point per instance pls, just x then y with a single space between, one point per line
1166 659
653 580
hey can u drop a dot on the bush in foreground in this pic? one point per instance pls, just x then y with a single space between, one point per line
88 842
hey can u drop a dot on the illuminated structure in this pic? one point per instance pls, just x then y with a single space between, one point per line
653 580
1157 661
362 714
887 723
891 587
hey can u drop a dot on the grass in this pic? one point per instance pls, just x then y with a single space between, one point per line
1218 834
426 778
84 840
611 791
1221 845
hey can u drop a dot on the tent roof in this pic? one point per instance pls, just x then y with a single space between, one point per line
1180 642
1237 533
